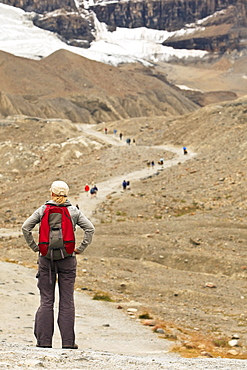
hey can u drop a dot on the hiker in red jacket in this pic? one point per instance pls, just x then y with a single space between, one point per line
59 263
86 189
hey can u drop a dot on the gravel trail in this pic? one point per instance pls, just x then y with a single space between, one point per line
107 338
113 185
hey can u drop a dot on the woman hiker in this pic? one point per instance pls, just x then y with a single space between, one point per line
62 267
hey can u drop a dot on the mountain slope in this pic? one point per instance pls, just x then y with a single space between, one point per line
65 85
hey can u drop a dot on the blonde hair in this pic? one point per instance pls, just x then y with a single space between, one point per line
58 198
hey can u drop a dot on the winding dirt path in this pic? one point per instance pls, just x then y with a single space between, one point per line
113 185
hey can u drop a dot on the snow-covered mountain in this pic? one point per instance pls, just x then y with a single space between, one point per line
19 36
124 31
115 32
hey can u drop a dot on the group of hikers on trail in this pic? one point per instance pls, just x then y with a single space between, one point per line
150 164
125 184
128 140
93 191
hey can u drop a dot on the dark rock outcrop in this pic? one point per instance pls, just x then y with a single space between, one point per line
74 29
167 15
212 97
225 31
219 43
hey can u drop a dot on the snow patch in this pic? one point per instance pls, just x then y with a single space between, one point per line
184 87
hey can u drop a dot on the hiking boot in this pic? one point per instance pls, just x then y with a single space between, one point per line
38 345
74 346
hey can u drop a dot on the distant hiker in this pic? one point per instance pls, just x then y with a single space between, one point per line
106 131
87 188
161 161
128 141
148 164
134 141
57 261
94 191
120 136
152 163
124 185
115 132
185 150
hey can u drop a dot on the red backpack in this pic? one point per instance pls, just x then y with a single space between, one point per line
56 233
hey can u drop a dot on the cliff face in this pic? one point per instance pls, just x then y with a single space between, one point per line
225 31
167 15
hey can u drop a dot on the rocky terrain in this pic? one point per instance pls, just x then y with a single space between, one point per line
173 245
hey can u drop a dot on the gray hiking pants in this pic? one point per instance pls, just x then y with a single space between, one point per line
65 271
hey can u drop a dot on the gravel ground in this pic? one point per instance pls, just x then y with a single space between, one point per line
107 338
17 356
